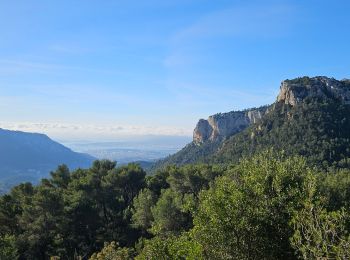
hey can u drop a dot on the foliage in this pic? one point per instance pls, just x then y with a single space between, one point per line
168 216
8 250
317 130
112 251
191 153
171 197
142 215
269 206
245 214
172 247
335 189
300 81
73 213
320 234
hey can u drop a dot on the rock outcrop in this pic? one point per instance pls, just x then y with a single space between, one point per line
214 139
295 91
220 126
292 92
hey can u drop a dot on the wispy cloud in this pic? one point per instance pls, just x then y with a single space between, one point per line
254 20
177 59
201 95
94 131
257 21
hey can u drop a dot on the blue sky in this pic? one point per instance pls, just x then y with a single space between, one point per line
104 69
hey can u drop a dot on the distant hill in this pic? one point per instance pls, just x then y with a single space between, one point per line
31 156
310 117
146 165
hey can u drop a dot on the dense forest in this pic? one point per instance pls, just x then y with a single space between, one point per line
269 206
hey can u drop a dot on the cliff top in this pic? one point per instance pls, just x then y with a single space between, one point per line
296 90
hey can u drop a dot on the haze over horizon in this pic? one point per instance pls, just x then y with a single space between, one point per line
118 69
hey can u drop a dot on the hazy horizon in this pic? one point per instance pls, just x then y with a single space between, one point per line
130 149
64 132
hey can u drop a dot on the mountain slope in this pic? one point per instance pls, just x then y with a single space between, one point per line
209 135
318 130
31 156
311 117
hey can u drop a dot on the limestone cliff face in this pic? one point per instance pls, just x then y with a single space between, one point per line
292 92
295 91
220 126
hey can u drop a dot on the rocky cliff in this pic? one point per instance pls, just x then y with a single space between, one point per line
292 92
311 118
220 126
315 130
295 91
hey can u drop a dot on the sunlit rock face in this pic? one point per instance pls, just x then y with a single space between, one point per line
297 90
220 126
223 125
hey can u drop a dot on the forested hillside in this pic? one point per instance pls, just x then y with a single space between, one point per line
191 153
317 129
267 207
311 118
208 136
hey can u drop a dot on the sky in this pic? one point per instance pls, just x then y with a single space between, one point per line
88 69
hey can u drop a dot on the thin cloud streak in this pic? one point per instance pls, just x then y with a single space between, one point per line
259 20
201 95
113 131
247 21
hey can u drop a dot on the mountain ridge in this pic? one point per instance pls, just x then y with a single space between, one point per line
31 156
299 99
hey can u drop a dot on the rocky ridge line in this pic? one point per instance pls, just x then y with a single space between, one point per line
297 90
220 126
